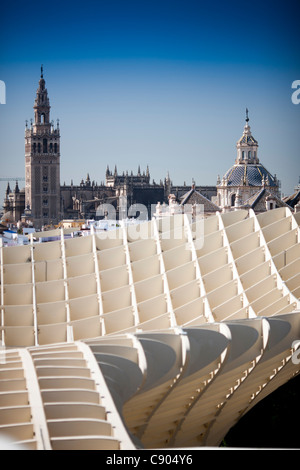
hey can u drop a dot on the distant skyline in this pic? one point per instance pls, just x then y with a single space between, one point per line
159 83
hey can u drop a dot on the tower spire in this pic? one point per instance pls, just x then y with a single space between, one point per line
247 116
7 189
42 71
41 104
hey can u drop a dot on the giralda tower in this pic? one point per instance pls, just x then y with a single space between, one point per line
42 163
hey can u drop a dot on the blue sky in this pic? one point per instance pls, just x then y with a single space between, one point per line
159 83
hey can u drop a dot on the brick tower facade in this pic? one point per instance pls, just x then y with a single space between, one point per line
42 163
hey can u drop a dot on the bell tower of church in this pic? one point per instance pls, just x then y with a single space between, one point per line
247 146
42 163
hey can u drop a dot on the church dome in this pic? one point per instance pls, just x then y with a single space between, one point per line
250 175
247 170
247 183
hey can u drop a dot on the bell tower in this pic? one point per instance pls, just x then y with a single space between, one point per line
247 146
42 163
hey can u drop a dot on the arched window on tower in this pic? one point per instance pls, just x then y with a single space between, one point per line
39 147
249 154
233 199
34 147
42 118
243 155
55 147
44 145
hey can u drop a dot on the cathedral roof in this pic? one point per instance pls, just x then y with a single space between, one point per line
194 197
293 199
249 174
263 193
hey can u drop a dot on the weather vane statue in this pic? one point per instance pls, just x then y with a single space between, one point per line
247 117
